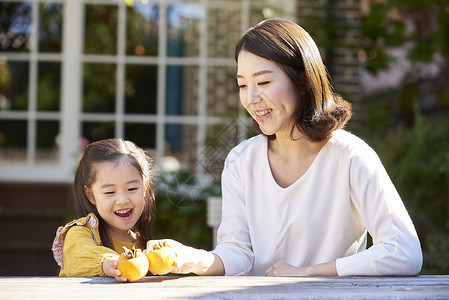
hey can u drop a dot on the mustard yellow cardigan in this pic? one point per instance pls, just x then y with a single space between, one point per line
78 250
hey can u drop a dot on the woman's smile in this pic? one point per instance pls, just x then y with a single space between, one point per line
262 115
266 93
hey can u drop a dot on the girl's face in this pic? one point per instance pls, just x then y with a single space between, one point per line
266 93
118 194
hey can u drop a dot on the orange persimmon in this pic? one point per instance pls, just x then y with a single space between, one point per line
133 264
161 258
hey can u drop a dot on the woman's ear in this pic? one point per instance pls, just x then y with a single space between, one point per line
89 195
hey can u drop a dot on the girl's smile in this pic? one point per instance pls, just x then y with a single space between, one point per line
124 214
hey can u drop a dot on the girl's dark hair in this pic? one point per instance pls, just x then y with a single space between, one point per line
114 150
320 111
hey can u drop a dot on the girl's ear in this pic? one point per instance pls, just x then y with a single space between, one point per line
89 195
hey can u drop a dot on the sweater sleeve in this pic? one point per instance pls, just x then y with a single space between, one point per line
233 238
81 255
396 249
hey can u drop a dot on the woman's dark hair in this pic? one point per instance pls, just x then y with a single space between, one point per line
114 150
320 111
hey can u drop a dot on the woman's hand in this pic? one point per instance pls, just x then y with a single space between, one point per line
191 260
283 269
110 268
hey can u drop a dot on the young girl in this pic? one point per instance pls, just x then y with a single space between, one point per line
114 196
300 198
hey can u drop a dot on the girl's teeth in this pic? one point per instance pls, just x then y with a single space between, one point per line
123 212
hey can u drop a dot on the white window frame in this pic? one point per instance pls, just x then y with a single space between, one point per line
72 59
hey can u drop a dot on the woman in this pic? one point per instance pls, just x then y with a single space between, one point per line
299 199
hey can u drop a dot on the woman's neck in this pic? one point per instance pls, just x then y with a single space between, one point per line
290 159
286 146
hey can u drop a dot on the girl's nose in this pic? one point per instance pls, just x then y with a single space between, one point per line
122 198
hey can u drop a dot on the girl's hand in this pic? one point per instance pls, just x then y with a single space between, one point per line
110 268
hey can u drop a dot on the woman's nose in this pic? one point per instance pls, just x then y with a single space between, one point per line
254 98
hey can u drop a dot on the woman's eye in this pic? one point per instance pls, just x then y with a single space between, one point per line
133 189
263 83
241 86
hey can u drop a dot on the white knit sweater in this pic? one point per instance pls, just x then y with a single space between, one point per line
323 216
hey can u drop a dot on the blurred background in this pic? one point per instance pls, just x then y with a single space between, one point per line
162 74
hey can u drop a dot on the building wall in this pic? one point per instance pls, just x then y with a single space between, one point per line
335 25
29 217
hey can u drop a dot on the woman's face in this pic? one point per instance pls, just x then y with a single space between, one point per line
118 194
266 93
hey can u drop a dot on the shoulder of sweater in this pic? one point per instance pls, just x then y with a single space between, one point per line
80 228
353 150
248 145
76 232
351 144
85 226
242 155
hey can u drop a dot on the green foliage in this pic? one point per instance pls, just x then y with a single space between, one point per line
181 210
103 18
436 254
48 86
417 160
99 87
379 33
414 148
445 96
421 173
382 31
377 117
409 97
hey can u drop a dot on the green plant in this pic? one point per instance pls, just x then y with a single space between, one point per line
181 209
436 253
417 160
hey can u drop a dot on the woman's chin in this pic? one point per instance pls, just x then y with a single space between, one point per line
267 131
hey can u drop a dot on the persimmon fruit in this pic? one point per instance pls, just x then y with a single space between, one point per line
161 258
133 264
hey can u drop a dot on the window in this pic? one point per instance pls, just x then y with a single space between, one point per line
159 73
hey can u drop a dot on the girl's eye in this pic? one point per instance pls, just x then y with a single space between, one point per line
109 193
241 86
263 83
133 189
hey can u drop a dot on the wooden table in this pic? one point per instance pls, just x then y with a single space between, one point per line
168 287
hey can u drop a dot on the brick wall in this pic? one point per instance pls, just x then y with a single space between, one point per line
335 27
29 217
